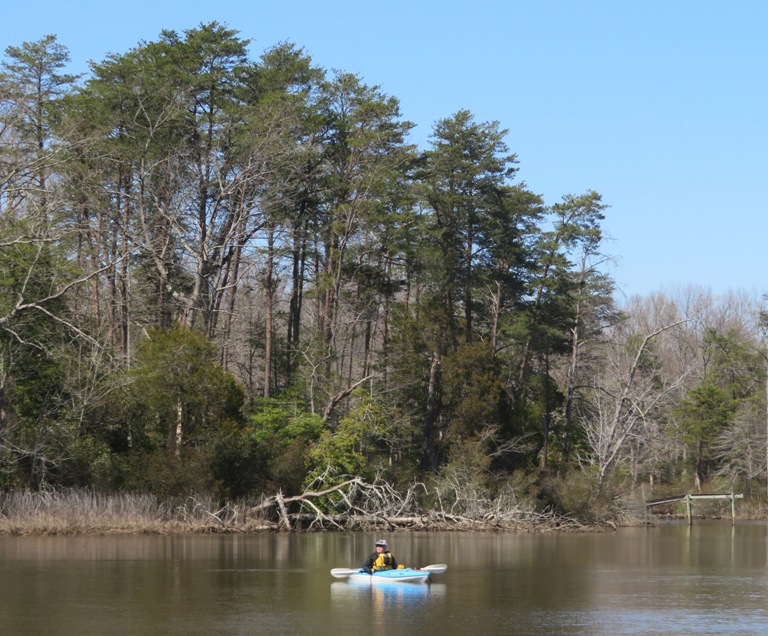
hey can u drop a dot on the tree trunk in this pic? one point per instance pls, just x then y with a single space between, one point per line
298 256
571 384
179 426
430 444
268 301
3 418
226 336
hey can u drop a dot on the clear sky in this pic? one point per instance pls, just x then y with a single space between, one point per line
659 105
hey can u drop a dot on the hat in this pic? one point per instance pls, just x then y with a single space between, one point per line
381 543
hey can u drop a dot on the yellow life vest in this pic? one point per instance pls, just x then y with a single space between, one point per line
383 562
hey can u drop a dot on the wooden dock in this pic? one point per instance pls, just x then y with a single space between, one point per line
690 497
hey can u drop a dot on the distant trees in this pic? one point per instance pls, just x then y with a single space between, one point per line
632 391
237 275
37 324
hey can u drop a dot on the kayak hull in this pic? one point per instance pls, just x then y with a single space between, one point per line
403 575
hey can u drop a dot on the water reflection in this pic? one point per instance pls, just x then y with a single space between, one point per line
386 607
708 579
387 592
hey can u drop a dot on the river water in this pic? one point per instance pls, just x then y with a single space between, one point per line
711 578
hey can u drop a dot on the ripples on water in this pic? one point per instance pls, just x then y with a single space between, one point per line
672 579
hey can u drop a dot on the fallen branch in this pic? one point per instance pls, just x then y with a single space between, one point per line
355 504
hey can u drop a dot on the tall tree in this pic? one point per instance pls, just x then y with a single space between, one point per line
364 147
37 272
480 229
216 210
556 290
468 172
283 134
34 82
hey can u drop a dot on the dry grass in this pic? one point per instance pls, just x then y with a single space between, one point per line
85 512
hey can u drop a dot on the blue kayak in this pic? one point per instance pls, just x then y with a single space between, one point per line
402 575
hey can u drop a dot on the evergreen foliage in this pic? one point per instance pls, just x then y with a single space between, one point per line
236 276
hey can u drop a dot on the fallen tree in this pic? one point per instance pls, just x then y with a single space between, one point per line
355 504
351 504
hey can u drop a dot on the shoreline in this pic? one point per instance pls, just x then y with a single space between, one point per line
85 513
80 512
65 529
74 526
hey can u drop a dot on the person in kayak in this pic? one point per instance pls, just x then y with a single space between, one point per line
380 560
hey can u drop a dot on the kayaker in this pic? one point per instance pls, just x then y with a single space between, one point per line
382 559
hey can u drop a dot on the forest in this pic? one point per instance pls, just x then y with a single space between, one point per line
237 278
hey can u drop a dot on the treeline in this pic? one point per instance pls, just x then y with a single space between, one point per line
234 276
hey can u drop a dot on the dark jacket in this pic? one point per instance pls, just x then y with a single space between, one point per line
389 562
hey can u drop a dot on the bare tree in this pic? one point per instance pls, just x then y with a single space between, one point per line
628 391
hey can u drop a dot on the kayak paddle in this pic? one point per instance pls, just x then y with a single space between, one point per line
340 573
438 568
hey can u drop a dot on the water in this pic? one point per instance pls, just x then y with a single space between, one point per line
672 579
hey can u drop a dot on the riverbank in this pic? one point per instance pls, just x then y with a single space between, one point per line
84 512
70 513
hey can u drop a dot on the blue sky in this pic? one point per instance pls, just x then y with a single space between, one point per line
660 106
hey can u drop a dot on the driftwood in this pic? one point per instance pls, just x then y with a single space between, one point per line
306 499
358 505
352 504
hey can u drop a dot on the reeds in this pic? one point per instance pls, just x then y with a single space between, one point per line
86 512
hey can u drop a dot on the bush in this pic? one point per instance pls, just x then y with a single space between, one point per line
574 494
